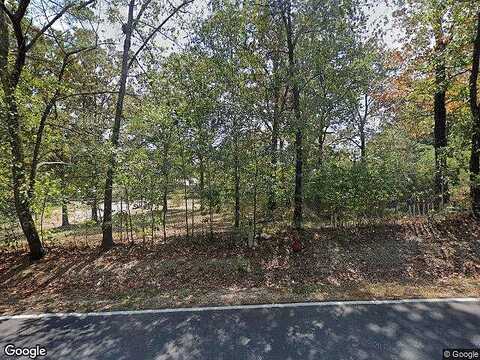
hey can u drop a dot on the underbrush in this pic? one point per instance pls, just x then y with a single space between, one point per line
421 257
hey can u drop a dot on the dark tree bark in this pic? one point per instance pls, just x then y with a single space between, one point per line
272 201
440 120
255 186
185 190
127 61
51 103
298 196
65 221
193 216
321 151
164 212
278 106
10 80
128 223
165 190
94 210
152 211
202 183
236 165
475 109
107 239
363 122
22 186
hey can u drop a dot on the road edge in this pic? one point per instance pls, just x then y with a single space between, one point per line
243 307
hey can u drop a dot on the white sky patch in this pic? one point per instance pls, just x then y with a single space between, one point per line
382 16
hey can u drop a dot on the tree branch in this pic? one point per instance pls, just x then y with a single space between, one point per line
154 31
54 19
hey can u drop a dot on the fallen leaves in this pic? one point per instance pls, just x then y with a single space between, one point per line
332 262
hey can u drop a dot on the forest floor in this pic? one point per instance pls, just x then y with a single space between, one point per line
414 258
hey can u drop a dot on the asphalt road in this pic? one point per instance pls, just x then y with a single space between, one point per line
413 331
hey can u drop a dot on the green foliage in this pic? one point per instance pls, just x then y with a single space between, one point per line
212 121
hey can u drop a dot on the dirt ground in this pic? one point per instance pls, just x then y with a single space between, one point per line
412 259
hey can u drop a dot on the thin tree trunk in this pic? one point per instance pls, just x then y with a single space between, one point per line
165 190
362 143
186 208
94 210
121 220
193 216
107 239
65 221
255 200
321 142
272 200
129 222
363 123
440 119
202 183
298 196
152 212
185 190
164 213
475 109
42 215
236 163
210 200
142 219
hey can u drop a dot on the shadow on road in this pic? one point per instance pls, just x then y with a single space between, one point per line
406 331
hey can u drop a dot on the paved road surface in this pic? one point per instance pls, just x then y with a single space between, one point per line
383 331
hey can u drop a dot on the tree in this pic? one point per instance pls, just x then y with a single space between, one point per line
23 180
286 13
129 28
475 110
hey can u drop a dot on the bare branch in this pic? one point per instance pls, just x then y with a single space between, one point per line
65 9
152 34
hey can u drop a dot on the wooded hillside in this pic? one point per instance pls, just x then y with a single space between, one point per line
153 121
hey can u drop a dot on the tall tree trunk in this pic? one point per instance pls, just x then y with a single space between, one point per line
121 221
362 125
22 201
210 195
440 119
255 187
107 239
129 214
19 170
185 190
65 221
164 213
321 155
236 165
165 190
362 142
94 210
193 216
475 109
152 211
202 183
298 197
272 201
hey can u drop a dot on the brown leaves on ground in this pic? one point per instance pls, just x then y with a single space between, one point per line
416 258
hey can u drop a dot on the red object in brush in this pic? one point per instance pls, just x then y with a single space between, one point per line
296 245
